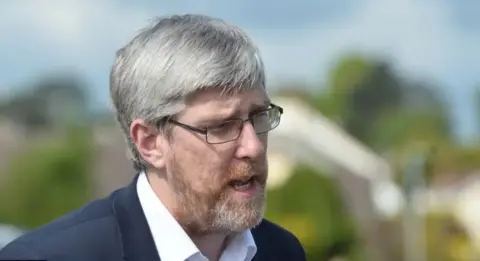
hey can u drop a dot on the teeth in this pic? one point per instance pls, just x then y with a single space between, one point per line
241 184
242 187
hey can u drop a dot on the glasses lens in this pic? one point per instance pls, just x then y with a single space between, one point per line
266 120
224 132
263 122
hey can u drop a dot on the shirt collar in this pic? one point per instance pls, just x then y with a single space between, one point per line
172 242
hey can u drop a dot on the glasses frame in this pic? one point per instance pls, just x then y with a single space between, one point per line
205 131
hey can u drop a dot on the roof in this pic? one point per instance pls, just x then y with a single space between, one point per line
305 131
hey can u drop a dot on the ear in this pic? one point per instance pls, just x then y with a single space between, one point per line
149 143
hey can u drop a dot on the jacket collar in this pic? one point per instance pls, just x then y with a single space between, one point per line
136 238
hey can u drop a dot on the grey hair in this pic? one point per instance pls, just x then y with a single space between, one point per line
177 56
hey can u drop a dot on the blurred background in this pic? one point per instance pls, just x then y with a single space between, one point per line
377 155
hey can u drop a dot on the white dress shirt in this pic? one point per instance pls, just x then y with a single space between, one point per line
173 243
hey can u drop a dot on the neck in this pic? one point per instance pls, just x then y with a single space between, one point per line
162 190
210 245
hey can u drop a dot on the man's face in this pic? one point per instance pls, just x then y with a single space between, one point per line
218 187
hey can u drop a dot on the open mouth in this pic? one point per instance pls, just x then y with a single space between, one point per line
243 185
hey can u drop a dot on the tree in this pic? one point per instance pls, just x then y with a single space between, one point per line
52 101
49 179
381 109
310 206
477 108
380 91
346 76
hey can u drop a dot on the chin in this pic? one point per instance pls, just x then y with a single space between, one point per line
240 216
237 227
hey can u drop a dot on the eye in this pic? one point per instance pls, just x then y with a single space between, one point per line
223 127
264 113
261 115
220 126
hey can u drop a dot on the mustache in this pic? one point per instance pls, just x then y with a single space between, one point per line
246 170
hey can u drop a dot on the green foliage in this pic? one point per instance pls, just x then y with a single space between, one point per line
395 116
49 179
401 128
380 91
308 205
346 77
349 71
445 238
454 160
391 114
381 109
54 100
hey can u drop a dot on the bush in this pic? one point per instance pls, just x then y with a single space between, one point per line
49 179
445 238
309 206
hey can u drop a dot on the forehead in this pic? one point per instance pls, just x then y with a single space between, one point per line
214 101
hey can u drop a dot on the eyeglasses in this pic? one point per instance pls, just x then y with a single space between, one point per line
226 131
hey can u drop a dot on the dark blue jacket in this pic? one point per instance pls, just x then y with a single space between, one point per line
114 228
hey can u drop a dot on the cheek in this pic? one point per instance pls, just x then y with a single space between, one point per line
211 167
203 166
264 139
200 165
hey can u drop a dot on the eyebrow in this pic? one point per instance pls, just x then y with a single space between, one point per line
265 105
234 114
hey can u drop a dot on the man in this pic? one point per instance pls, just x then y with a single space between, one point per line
189 94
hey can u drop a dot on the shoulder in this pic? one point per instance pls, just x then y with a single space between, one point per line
81 231
272 239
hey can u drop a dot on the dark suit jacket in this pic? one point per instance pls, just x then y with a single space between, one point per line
115 228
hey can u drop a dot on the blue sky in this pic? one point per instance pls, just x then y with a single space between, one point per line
436 40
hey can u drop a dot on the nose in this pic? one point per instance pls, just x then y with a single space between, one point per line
250 146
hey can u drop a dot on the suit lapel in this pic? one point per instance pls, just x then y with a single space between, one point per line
262 241
137 240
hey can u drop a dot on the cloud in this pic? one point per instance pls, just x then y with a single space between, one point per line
420 37
71 27
297 38
426 40
45 36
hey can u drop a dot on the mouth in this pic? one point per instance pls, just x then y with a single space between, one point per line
242 184
246 187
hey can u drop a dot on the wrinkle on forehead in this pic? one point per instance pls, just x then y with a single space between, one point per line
214 102
214 93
